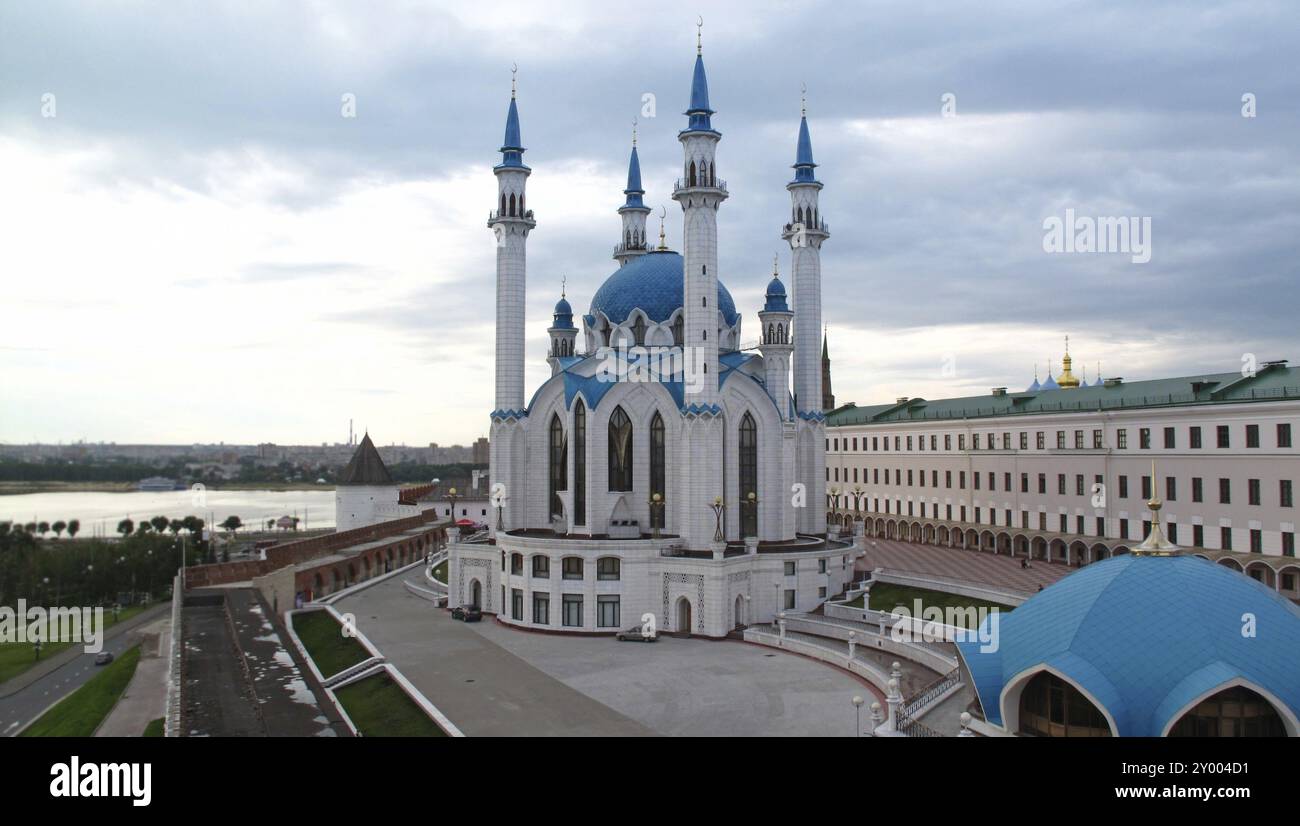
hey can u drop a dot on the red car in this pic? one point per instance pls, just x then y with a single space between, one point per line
470 524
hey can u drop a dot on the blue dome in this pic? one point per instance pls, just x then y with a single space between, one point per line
651 283
1145 636
562 307
776 297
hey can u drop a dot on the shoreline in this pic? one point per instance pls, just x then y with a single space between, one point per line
21 488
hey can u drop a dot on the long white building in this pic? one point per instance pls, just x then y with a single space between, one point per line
1063 472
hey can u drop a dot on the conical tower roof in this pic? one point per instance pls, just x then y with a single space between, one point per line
366 467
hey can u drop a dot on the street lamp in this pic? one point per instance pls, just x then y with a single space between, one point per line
656 513
717 507
857 713
751 501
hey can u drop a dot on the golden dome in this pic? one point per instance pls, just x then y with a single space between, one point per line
1067 380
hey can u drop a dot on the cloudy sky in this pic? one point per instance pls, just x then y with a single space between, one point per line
197 246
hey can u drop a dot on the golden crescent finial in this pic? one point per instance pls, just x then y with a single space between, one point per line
514 70
699 31
663 213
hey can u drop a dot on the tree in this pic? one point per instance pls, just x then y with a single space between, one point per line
270 524
176 525
295 523
126 527
74 528
59 527
160 523
30 527
43 528
232 523
144 527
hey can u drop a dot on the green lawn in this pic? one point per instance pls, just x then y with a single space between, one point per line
440 572
17 657
323 638
80 713
886 596
156 728
380 708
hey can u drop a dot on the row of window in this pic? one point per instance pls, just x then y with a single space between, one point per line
1080 524
608 568
1285 492
990 441
571 608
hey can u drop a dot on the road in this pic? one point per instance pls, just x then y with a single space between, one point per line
22 703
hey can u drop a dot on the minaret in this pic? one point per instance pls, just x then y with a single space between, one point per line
776 344
511 222
633 212
828 398
562 332
805 233
700 192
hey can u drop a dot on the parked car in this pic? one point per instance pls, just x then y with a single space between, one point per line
467 613
103 658
635 634
470 526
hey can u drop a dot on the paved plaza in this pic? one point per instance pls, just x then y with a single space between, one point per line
492 680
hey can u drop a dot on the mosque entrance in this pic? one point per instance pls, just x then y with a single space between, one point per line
740 611
684 616
475 594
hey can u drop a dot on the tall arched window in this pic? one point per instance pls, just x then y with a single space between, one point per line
691 175
579 463
638 331
657 469
559 456
620 450
512 204
679 331
748 475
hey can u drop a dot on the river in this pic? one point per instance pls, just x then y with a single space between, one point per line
100 512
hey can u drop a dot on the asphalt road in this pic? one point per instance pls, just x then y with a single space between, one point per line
27 703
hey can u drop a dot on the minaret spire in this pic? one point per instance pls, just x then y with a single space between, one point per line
633 211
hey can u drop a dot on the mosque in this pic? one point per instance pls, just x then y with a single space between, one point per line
665 467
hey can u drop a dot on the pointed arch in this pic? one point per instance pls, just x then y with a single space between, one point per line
620 450
658 468
559 465
512 204
748 475
579 463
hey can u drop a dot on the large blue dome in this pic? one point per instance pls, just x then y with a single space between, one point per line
1145 636
651 283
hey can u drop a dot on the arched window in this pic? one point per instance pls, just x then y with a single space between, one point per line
559 456
638 331
690 176
679 331
503 203
512 205
1233 712
521 203
579 463
620 451
657 469
780 333
770 331
748 476
1052 707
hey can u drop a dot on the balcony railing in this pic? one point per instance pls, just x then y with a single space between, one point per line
700 183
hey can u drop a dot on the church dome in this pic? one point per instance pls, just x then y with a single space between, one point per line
1145 637
651 283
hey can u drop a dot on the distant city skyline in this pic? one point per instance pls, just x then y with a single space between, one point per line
203 248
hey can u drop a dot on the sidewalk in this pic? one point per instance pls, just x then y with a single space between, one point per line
45 667
145 699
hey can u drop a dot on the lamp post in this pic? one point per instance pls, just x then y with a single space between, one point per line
718 507
751 502
857 715
656 513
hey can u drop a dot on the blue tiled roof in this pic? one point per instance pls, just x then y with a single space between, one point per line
1035 387
651 283
512 147
803 159
634 190
563 315
1145 636
699 111
776 297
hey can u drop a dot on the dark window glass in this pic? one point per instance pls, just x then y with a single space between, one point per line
620 451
